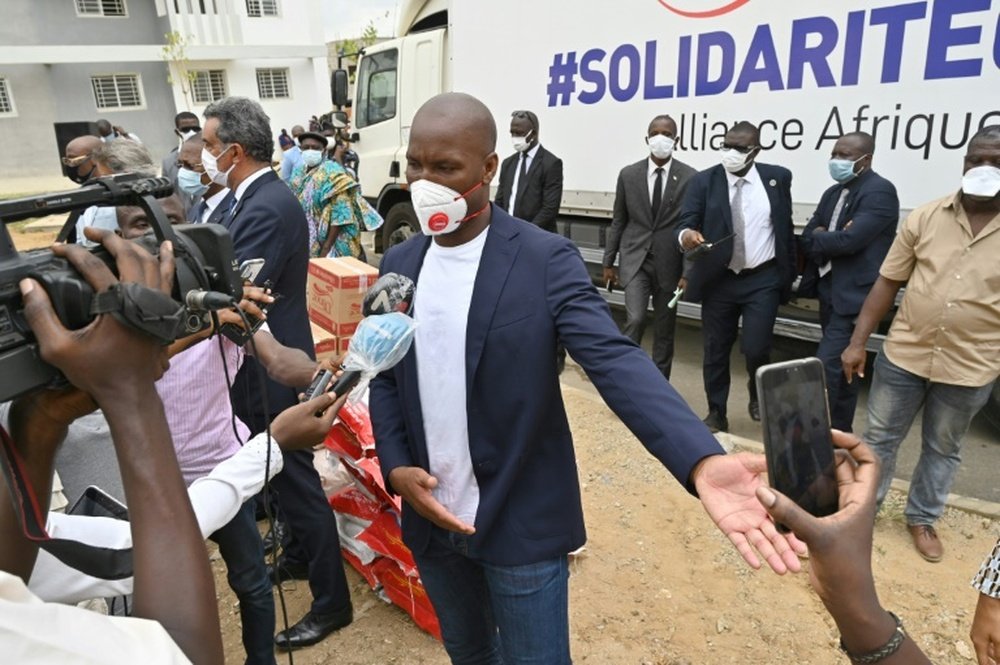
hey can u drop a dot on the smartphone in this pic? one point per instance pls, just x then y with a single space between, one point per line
250 268
95 502
797 442
239 335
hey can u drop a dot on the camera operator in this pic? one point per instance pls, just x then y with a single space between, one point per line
114 367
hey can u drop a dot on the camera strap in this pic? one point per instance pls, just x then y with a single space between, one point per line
148 310
102 562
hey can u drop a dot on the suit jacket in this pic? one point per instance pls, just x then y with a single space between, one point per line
856 253
634 233
540 196
268 223
532 288
706 209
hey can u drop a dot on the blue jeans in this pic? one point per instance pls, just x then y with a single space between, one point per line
896 397
243 551
497 615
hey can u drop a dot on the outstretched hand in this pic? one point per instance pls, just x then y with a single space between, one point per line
415 486
726 485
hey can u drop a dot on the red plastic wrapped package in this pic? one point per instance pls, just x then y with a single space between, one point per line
407 593
385 538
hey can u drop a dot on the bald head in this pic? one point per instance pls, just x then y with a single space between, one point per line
82 145
296 130
462 116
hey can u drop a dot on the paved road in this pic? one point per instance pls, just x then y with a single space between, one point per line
981 452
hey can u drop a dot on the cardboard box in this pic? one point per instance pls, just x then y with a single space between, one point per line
334 291
325 342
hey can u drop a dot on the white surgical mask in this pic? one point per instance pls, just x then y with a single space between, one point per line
982 182
734 160
312 158
660 146
522 143
440 209
189 182
211 164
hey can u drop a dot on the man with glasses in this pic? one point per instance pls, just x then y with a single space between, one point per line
186 125
192 181
81 168
531 180
744 210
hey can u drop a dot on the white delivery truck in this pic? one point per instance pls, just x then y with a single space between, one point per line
921 76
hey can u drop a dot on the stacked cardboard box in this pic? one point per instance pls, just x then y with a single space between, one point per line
368 519
334 291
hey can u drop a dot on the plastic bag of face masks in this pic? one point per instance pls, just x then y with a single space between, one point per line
379 343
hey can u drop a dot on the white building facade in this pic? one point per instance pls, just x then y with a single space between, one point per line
67 63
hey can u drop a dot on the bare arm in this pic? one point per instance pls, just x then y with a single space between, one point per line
289 367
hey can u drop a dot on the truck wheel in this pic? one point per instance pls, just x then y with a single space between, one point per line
400 224
992 409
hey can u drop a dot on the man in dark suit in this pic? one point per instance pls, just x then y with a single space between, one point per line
746 208
471 429
186 125
643 239
531 180
266 221
845 242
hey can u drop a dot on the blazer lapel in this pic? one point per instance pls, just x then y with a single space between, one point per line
498 257
722 182
673 182
410 267
771 187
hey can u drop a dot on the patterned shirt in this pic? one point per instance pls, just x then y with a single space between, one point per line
332 201
988 580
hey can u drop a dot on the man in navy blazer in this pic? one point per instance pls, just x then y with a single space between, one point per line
845 242
266 221
470 426
744 209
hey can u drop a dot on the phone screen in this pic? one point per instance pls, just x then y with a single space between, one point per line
95 502
797 440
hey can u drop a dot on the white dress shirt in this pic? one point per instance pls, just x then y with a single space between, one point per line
759 241
651 167
530 157
212 202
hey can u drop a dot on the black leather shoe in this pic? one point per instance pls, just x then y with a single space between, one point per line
313 628
716 422
288 570
754 409
277 535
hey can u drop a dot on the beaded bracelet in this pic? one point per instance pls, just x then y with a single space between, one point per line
891 647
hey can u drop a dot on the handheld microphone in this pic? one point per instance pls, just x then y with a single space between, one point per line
198 300
705 247
392 292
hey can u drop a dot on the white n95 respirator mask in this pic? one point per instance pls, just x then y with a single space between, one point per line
440 209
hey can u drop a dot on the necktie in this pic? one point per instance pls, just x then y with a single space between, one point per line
834 218
657 193
199 213
739 259
522 178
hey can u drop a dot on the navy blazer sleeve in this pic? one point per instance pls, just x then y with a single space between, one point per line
261 238
622 372
693 208
552 188
876 210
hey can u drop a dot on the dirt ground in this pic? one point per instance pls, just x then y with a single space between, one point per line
659 585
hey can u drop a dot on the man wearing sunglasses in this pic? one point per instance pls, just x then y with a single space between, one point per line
80 166
186 125
744 209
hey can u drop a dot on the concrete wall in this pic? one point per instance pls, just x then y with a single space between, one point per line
41 22
28 138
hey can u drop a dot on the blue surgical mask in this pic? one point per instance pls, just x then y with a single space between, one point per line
189 182
312 158
842 170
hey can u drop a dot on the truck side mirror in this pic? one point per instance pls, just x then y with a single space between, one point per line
338 87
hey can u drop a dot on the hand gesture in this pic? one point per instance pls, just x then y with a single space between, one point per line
415 485
307 424
853 361
727 485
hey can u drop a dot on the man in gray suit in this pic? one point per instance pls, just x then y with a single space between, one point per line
647 206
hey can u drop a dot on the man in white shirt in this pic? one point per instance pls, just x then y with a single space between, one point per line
744 209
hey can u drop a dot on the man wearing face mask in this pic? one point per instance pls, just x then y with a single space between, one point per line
471 429
744 209
845 243
941 351
194 182
531 180
81 167
643 237
186 125
266 221
292 157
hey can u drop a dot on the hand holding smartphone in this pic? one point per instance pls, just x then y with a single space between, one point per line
797 442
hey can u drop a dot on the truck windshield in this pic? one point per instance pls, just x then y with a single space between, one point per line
376 88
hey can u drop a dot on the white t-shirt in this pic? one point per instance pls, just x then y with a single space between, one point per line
441 307
32 631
